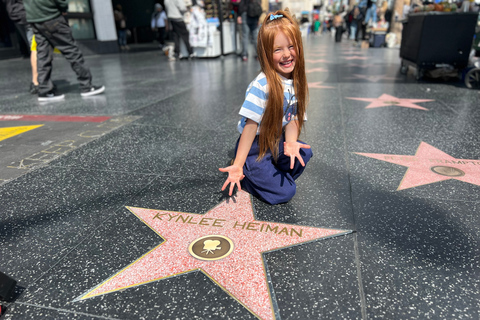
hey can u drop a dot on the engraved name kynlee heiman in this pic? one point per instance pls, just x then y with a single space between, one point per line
222 223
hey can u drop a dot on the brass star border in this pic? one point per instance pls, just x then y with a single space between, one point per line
241 272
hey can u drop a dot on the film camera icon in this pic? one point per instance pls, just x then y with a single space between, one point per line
212 247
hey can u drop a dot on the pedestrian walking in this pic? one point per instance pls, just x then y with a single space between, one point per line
249 12
159 24
175 10
16 12
52 30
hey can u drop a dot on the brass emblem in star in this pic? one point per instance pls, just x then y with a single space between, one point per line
211 248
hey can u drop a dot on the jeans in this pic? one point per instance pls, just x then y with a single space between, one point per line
122 38
249 29
371 14
272 181
353 32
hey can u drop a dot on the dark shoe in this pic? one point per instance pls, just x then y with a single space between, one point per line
33 88
50 96
93 90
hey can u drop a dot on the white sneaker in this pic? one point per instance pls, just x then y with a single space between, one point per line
93 90
50 96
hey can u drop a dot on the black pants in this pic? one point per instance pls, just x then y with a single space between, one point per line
161 35
338 34
180 31
57 33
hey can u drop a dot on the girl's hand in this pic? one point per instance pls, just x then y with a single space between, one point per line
235 174
292 150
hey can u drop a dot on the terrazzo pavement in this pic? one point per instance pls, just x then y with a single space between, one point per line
65 228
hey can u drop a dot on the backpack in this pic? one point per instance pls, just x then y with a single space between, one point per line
254 8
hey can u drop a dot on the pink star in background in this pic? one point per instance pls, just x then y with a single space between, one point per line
386 100
317 85
355 58
316 70
430 165
371 78
352 51
316 61
240 272
368 65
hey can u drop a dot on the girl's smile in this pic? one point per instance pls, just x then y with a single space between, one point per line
284 55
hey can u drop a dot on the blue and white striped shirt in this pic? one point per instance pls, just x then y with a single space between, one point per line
256 101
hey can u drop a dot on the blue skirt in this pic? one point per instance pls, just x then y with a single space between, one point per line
270 181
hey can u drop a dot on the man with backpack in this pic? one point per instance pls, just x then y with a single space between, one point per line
249 12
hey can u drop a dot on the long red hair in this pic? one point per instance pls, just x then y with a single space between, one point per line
271 125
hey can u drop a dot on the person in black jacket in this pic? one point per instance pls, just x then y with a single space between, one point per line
52 30
17 14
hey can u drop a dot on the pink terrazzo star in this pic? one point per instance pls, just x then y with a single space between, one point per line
371 78
316 60
430 165
386 100
316 54
317 85
367 65
316 70
241 273
355 58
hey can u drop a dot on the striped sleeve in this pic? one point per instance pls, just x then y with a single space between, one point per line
255 100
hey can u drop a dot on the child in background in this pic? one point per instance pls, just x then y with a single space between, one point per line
268 156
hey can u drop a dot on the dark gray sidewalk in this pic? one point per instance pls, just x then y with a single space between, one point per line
396 161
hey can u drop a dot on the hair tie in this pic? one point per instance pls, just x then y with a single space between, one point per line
275 16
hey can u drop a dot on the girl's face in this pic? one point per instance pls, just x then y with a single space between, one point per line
284 55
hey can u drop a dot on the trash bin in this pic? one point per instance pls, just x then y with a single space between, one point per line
434 39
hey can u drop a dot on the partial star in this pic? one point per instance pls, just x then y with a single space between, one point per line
316 70
370 78
355 58
317 85
430 165
316 54
386 100
317 61
239 269
367 65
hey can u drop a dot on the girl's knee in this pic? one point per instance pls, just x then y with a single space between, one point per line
282 195
306 154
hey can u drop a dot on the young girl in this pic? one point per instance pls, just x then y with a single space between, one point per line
268 156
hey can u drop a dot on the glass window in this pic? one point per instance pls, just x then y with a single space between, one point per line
79 6
82 28
80 19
